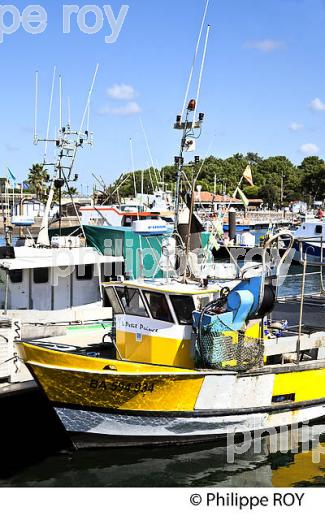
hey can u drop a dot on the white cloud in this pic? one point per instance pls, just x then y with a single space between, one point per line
121 92
317 105
266 45
128 109
309 149
295 127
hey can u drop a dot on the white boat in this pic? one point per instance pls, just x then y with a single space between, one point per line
49 284
310 240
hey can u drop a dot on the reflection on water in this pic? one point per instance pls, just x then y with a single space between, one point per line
263 465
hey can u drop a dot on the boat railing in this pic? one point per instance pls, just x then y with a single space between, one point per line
307 249
284 285
303 297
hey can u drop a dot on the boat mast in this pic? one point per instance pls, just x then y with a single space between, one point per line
191 123
189 136
67 142
188 127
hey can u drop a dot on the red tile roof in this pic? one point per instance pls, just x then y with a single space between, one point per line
206 196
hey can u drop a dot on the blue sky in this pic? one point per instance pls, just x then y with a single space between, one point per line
263 89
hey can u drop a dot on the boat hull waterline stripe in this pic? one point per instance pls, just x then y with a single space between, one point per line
120 426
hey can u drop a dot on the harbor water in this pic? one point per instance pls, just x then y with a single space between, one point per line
37 453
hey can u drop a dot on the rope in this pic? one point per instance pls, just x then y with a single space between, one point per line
14 358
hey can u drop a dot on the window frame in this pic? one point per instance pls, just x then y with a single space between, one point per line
127 311
170 310
38 269
13 272
85 277
118 302
317 227
174 296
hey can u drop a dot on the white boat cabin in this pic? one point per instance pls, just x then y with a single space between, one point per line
52 279
311 229
125 217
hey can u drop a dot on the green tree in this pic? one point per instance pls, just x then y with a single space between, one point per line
312 178
252 192
38 179
274 177
270 194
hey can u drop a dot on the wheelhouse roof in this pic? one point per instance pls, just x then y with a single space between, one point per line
173 286
33 258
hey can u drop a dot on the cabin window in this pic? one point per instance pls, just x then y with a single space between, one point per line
113 301
132 302
85 272
41 275
158 306
127 222
16 276
183 307
319 229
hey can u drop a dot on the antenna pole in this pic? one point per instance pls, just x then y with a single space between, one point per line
88 117
60 102
194 58
201 74
69 111
50 114
36 108
149 151
142 185
89 98
132 166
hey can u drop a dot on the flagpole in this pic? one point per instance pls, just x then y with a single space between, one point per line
13 200
7 238
7 198
21 234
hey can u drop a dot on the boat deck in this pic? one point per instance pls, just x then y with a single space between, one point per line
313 313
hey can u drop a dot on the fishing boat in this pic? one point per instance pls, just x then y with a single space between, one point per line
48 284
152 373
184 364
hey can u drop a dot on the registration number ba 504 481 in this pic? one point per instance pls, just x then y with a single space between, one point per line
118 386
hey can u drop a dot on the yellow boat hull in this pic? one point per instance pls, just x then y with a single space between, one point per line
108 401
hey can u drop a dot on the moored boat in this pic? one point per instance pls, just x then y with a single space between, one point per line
184 364
231 387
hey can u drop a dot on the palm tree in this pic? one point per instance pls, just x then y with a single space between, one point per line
72 191
38 179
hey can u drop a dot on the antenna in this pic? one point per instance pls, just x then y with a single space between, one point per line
60 102
67 146
36 108
69 111
100 181
150 177
201 74
88 118
194 58
50 114
132 165
148 150
88 99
